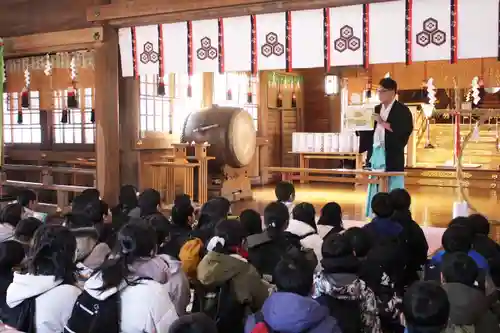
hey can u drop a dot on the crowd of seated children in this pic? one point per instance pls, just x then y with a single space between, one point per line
208 271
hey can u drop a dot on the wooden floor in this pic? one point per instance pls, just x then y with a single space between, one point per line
431 206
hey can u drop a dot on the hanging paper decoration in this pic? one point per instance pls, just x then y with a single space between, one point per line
431 92
189 88
229 92
475 91
161 87
279 97
4 70
294 95
48 66
72 100
25 94
92 116
249 91
368 89
387 75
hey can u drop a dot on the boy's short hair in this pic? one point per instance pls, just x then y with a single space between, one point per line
457 239
480 224
292 275
285 191
382 205
459 268
25 197
360 240
251 221
193 323
426 307
400 199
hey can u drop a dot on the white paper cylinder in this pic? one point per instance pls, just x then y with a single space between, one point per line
460 209
318 142
335 142
295 142
303 143
310 142
328 140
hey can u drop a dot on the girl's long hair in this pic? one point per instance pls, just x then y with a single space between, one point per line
136 239
276 218
53 253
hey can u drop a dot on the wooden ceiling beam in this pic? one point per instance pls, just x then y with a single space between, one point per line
142 12
52 42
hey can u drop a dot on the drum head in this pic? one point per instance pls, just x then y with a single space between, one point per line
242 137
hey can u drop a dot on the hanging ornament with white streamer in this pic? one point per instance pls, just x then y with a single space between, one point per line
25 95
4 73
72 67
475 91
431 92
72 99
48 66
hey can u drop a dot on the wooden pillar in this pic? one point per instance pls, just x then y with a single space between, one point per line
208 89
263 129
107 120
129 129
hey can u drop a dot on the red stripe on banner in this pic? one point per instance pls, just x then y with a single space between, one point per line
134 52
221 46
409 31
288 40
160 50
366 35
326 38
454 31
253 36
190 48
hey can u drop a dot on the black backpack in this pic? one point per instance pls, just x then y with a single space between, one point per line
221 305
347 312
22 317
91 315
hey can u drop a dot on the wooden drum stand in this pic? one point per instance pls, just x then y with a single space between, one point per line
176 175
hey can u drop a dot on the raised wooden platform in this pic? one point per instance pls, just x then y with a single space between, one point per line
447 177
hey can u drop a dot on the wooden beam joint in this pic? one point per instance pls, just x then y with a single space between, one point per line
52 42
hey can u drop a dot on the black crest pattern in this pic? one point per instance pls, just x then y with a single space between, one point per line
347 40
206 50
272 46
431 34
149 54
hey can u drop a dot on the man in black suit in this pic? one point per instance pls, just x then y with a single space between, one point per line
393 127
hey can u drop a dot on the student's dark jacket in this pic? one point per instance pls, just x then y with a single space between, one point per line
380 229
401 121
469 306
6 277
486 247
264 253
416 244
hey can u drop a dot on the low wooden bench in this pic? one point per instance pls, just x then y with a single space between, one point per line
47 171
62 190
368 176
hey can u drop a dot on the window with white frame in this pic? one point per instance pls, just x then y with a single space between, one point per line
27 131
233 89
79 128
167 113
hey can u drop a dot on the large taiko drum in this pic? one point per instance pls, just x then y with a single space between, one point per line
230 132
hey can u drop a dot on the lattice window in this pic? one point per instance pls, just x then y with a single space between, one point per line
167 113
154 111
184 105
29 131
240 84
79 129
